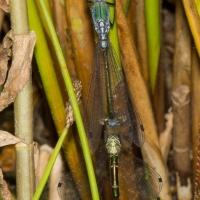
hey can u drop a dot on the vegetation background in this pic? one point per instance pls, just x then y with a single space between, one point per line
158 44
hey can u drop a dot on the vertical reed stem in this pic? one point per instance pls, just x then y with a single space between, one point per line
23 114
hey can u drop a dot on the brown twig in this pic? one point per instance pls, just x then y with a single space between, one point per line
181 132
182 54
181 95
141 40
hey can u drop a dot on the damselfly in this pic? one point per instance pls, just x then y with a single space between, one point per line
108 96
110 110
139 179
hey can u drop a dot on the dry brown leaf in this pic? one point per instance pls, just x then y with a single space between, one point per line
3 66
5 193
4 5
5 53
19 74
165 138
7 138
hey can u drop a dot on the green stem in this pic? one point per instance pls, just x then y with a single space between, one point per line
50 165
152 14
74 103
113 34
50 84
23 108
46 69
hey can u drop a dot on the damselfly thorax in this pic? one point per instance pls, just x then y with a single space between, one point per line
101 20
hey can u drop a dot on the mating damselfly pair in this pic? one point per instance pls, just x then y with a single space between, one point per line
110 111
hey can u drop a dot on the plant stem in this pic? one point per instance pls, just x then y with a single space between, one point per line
23 108
141 40
195 113
113 34
77 40
193 20
197 2
72 97
50 84
50 165
46 69
152 13
182 52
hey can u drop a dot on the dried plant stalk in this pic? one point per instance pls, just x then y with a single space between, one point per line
168 51
193 20
181 132
159 98
64 37
141 40
182 55
165 138
138 90
80 25
195 106
130 11
181 95
59 21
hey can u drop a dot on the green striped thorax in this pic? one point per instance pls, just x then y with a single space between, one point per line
101 20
